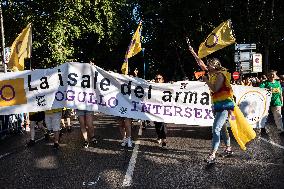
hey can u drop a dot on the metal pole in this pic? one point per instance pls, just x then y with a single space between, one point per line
31 46
3 40
144 65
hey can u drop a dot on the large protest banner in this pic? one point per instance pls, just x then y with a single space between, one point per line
86 87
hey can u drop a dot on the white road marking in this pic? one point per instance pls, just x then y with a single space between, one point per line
271 142
129 173
92 184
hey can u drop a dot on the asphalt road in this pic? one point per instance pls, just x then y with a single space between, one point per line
146 165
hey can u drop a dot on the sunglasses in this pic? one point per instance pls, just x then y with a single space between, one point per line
159 78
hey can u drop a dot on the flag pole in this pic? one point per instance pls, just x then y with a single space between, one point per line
3 40
144 65
31 48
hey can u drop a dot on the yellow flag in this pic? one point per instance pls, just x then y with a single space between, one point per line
219 38
12 92
124 67
21 49
135 44
133 48
241 129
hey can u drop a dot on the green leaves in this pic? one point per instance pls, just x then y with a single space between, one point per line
82 30
61 27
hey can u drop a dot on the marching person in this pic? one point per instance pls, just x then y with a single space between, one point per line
276 102
52 121
66 115
125 131
160 126
222 98
87 128
36 119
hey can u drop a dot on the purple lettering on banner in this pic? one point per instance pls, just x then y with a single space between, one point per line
91 99
115 102
167 110
144 107
84 97
208 112
70 97
178 110
102 103
188 111
198 112
134 106
62 96
157 107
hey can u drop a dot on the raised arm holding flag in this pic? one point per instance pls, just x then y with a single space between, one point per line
224 107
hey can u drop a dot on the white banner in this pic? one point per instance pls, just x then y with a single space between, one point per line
85 87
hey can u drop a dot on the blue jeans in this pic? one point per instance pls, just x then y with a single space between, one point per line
219 129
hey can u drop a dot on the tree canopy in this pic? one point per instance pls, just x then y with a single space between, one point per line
101 30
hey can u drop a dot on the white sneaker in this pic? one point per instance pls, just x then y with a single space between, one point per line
124 141
129 143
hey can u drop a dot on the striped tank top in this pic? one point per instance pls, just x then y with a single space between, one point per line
223 98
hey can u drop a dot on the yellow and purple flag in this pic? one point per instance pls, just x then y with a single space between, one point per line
219 38
21 49
12 92
133 48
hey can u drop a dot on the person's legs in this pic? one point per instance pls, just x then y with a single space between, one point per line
32 129
63 123
158 126
68 119
127 125
32 133
276 110
67 116
225 135
56 118
83 127
121 126
163 134
219 121
48 122
163 131
89 123
159 131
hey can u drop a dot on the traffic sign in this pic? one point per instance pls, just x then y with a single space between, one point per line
236 75
257 62
242 56
245 47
